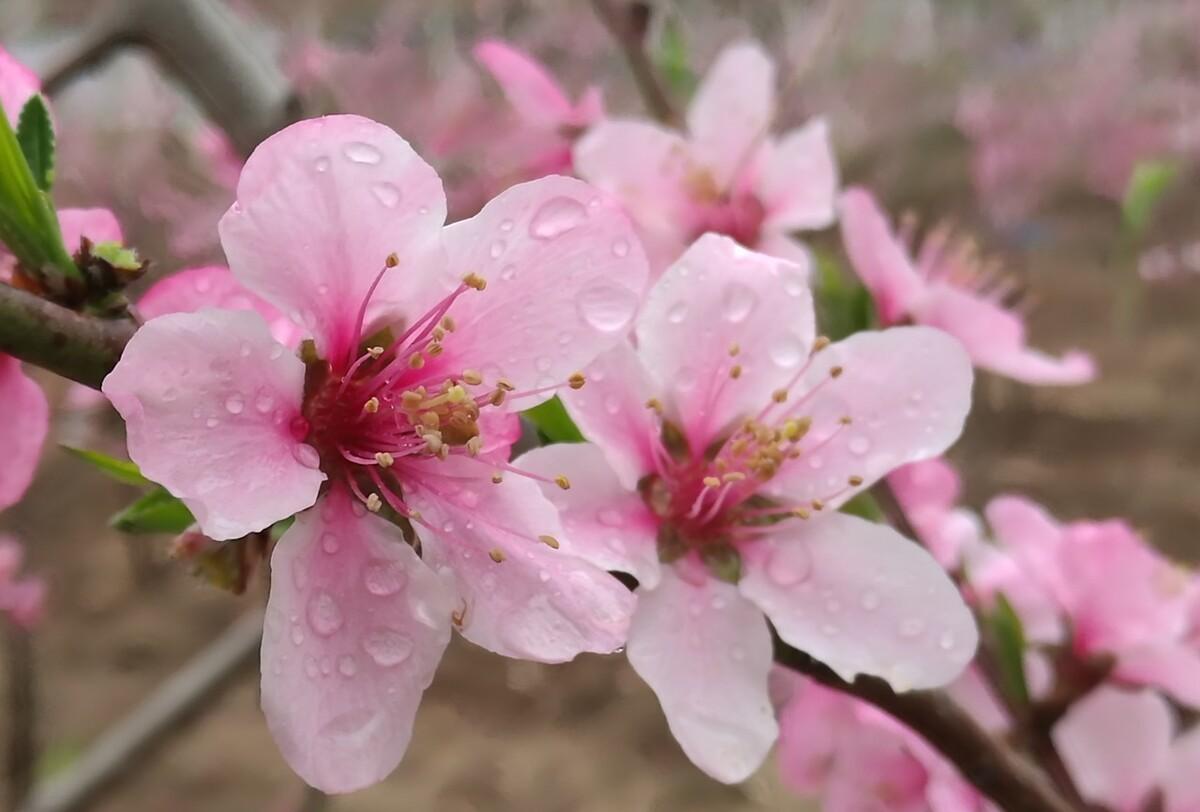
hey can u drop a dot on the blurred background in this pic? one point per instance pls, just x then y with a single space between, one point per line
1065 136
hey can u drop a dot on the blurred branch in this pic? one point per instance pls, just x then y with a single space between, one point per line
991 766
628 23
160 715
22 749
77 346
205 46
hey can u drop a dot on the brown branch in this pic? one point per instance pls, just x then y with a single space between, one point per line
991 766
22 750
628 27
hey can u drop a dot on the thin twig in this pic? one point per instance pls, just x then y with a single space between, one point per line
162 714
22 748
628 27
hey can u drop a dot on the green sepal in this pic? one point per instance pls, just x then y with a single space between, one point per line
553 423
155 512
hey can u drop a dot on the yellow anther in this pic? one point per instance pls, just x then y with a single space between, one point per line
836 372
736 371
474 280
779 395
576 381
817 504
549 541
411 400
474 445
655 405
712 482
497 478
371 406
497 397
855 481
800 513
430 420
472 377
734 349
733 476
845 420
793 430
416 361
496 554
374 352
448 324
821 343
505 384
433 441
443 452
438 334
562 482
434 349
415 515
374 503
384 459
456 394
392 260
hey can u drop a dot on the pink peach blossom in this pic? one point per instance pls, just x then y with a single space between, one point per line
721 498
17 84
727 174
928 492
21 599
403 406
944 287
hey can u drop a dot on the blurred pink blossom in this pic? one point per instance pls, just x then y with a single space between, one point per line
722 447
929 491
21 599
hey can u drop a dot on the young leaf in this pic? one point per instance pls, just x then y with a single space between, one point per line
1007 638
1149 182
552 420
843 306
155 512
35 134
673 59
864 506
120 470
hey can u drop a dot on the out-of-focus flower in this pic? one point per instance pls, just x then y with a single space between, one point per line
21 599
726 175
551 121
1121 746
945 286
402 406
723 446
928 492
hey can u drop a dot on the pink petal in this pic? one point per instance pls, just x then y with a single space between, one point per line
17 84
320 206
1181 790
213 286
862 599
1032 536
1115 745
877 255
1170 666
780 245
706 653
565 276
717 300
611 411
604 522
24 601
537 603
811 724
98 225
24 421
530 89
356 625
906 392
732 109
209 401
993 571
798 182
928 492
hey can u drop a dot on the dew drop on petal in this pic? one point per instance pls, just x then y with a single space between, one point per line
612 404
264 402
556 217
496 249
620 248
297 636
212 422
788 567
606 306
610 517
324 616
234 404
946 641
859 445
321 163
739 302
386 193
787 352
347 666
307 456
506 225
737 653
912 627
361 153
508 273
677 313
330 543
869 601
384 578
310 667
387 647
170 393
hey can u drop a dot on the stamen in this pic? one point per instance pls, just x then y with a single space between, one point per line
371 406
374 503
576 381
549 541
383 459
496 554
562 482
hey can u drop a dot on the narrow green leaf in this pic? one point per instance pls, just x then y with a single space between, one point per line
1149 182
35 134
843 306
1007 637
864 506
155 512
673 59
120 470
552 420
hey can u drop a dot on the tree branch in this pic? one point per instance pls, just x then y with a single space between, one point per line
628 27
77 346
22 749
990 765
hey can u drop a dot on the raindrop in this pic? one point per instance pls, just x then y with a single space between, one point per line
606 306
326 666
264 402
912 627
508 273
543 576
497 249
321 163
788 567
719 602
244 350
543 364
347 666
330 543
307 456
737 653
565 338
324 616
297 636
787 352
695 609
556 217
610 517
677 313
829 630
506 226
361 153
793 282
387 647
386 193
310 667
612 404
815 461
685 379
946 641
739 302
212 422
859 445
299 574
620 248
833 606
234 404
276 352
869 601
203 284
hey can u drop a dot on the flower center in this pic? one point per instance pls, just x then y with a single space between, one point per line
736 214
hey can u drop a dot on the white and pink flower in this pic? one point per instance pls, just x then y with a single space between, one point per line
727 174
424 341
723 446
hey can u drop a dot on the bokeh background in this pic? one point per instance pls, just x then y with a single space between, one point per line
1023 122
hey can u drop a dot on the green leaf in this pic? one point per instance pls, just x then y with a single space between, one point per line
28 221
843 306
120 470
552 420
864 506
35 134
673 59
1149 182
1006 636
155 512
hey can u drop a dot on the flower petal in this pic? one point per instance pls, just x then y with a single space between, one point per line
1115 745
706 653
24 421
877 255
611 411
905 391
717 308
1181 790
798 183
535 603
928 491
862 599
780 245
1170 666
356 625
213 286
604 522
530 89
732 109
208 400
98 225
320 206
565 276
17 84
995 338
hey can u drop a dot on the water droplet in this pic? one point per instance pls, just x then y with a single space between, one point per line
321 163
310 667
788 567
543 363
324 616
212 422
299 574
508 273
330 543
737 653
327 665
695 609
787 352
859 445
384 578
497 249
506 226
555 217
739 302
829 630
833 606
297 636
815 461
869 601
719 602
946 641
793 282
677 313
347 666
620 248
264 402
610 517
361 153
386 193
353 730
612 404
276 352
307 455
685 379
606 306
912 627
387 647
565 338
234 404
447 526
